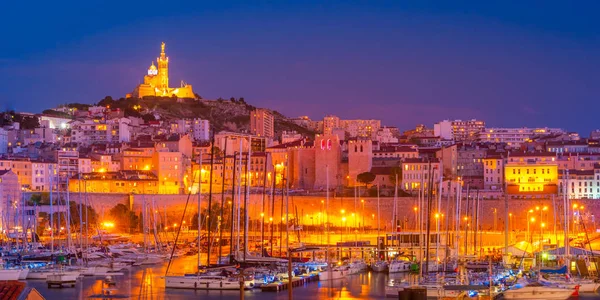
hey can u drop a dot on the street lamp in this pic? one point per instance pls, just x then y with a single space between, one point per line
363 212
416 218
532 220
343 228
528 232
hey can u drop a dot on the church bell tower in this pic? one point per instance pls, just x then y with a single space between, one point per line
163 70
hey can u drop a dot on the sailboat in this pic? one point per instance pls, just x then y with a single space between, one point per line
220 278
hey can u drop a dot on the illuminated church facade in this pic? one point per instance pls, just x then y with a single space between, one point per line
156 82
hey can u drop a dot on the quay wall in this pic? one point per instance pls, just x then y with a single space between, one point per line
311 210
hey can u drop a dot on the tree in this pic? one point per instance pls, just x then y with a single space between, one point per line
123 217
366 178
396 172
92 216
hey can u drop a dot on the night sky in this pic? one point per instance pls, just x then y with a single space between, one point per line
510 64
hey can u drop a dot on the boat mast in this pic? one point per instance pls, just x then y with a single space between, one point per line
429 198
439 210
80 215
51 217
221 220
247 173
200 208
273 182
262 210
239 198
378 224
231 216
67 218
210 185
566 225
287 229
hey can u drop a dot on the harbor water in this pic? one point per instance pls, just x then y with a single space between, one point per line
146 282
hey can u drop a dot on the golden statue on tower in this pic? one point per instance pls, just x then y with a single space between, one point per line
156 82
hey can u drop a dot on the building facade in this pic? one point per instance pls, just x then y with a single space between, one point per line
262 123
458 130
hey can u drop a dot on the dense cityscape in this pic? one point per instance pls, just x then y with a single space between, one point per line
162 193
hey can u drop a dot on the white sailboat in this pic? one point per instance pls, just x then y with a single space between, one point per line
399 266
538 292
11 274
208 282
334 273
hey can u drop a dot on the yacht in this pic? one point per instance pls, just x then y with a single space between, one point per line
398 266
208 282
538 292
334 273
379 266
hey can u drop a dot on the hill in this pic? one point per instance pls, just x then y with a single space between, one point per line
232 114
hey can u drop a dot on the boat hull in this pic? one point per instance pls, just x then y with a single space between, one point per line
538 293
199 283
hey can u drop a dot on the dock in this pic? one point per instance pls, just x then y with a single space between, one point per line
296 282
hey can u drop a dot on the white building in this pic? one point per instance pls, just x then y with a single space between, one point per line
386 136
92 131
582 184
84 165
515 136
181 126
458 130
68 163
56 122
44 174
3 141
201 130
290 136
416 173
10 190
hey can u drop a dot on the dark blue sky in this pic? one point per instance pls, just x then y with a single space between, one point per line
512 64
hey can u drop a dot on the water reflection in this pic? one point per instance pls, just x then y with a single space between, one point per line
148 283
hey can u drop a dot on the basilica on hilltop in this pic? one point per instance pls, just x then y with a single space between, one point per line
156 83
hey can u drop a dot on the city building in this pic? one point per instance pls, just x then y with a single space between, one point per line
201 130
360 159
21 167
328 158
458 130
493 166
582 184
580 146
122 182
169 170
577 161
361 128
387 135
156 82
3 141
84 165
139 158
68 163
44 176
396 151
330 123
90 131
417 172
531 173
10 190
515 136
56 122
103 163
262 123
290 136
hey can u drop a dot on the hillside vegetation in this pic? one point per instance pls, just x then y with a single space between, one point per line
232 114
